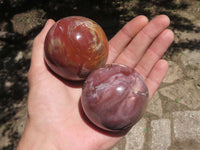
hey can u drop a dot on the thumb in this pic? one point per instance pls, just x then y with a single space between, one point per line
37 59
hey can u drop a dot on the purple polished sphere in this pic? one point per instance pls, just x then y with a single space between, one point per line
114 97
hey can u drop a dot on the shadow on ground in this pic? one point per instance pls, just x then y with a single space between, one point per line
111 15
151 8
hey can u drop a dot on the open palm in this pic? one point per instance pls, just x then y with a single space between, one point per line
54 118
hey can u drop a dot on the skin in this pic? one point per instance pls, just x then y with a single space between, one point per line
54 121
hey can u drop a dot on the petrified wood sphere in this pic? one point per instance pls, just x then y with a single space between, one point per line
74 47
114 97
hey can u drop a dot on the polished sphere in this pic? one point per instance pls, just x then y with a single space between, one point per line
114 97
74 47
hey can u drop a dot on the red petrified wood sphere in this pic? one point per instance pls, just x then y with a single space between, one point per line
74 47
114 97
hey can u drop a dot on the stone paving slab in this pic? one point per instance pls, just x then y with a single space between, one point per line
184 91
161 134
136 137
155 106
191 58
186 126
191 63
174 73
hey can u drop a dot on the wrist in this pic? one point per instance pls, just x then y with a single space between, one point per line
35 140
49 137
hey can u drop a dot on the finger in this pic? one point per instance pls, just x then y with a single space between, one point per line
38 45
124 36
137 47
155 52
156 76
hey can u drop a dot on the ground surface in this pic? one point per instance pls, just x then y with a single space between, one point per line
172 120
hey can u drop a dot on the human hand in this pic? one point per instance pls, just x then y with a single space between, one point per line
54 119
